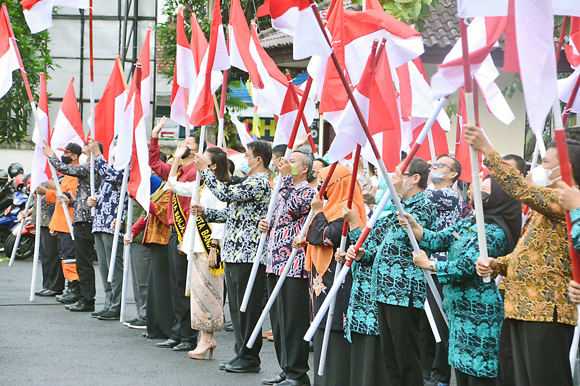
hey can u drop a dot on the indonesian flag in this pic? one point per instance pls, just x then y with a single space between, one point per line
145 89
566 86
109 110
139 179
184 72
8 57
68 126
374 4
482 35
473 8
216 58
573 48
286 120
38 13
239 40
297 19
242 130
40 170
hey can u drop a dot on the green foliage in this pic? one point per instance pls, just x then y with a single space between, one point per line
15 111
412 12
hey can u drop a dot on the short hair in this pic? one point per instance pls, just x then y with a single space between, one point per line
279 150
263 150
197 139
403 155
573 154
521 165
322 161
220 159
231 166
456 166
420 167
101 148
163 157
306 160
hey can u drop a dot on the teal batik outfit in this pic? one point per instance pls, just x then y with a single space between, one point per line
474 308
575 233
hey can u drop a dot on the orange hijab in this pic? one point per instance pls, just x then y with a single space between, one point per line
321 255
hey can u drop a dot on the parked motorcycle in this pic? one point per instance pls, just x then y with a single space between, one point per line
9 219
26 245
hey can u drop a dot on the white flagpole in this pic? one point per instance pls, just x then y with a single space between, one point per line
19 235
92 96
118 223
432 147
36 247
126 260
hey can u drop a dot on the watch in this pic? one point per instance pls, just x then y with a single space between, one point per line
213 245
432 267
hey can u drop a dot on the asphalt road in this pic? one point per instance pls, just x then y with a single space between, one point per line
41 343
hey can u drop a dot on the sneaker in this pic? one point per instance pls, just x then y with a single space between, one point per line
98 313
109 315
140 324
81 306
128 322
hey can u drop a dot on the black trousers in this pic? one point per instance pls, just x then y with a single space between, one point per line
290 319
399 332
541 351
52 276
181 303
505 375
160 315
237 275
85 254
434 356
469 380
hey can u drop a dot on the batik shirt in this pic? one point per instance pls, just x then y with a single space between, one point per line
291 209
108 197
389 250
537 272
248 205
474 308
575 217
448 204
82 172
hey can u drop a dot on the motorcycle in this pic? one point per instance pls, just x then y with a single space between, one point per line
9 219
27 239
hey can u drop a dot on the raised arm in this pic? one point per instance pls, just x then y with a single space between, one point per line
160 168
250 189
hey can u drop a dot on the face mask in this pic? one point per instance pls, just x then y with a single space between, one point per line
187 153
66 160
294 170
406 188
272 167
246 168
83 159
436 176
484 199
541 176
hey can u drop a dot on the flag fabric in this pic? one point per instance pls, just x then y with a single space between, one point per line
374 4
461 146
566 86
286 120
126 129
473 8
146 79
239 39
184 71
297 19
242 129
139 179
565 89
439 141
482 35
8 57
40 170
68 126
216 58
109 110
38 13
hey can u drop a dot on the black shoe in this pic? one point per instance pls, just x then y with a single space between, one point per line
184 346
273 381
98 313
305 381
169 343
109 315
223 365
140 324
128 322
48 292
146 335
81 306
228 326
241 367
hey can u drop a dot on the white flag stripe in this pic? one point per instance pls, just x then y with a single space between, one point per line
8 63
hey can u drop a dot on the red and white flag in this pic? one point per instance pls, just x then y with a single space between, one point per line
38 13
40 170
109 110
286 120
239 39
473 8
8 57
243 133
146 79
68 126
184 72
566 86
216 59
297 19
139 180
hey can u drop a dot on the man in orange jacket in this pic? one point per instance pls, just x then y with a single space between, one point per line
58 224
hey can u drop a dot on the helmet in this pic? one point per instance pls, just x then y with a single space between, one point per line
15 169
19 180
4 177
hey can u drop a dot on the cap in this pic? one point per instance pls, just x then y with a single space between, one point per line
73 148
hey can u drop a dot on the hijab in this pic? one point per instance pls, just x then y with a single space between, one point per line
337 192
502 209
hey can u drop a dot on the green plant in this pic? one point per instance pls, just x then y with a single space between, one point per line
412 12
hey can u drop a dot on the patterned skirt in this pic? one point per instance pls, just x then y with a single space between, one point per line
207 289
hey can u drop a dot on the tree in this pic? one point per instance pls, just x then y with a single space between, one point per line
15 110
412 12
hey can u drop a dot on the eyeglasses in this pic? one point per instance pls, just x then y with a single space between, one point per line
441 165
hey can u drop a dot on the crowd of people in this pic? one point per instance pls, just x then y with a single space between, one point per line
515 329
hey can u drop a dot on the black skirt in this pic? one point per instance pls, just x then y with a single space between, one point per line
367 367
336 370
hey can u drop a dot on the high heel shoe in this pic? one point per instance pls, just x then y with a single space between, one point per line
200 355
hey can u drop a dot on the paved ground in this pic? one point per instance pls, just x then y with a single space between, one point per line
43 344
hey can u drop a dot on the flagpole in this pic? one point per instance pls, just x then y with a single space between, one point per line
126 261
92 96
432 146
187 123
35 113
473 154
274 196
321 132
118 221
306 128
36 247
19 235
193 219
220 138
289 263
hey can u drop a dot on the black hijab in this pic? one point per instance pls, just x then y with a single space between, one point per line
501 209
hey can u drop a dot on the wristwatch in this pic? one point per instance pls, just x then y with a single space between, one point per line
432 267
213 245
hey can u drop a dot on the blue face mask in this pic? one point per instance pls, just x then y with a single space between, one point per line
272 168
245 167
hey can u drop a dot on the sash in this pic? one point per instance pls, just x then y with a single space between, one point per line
204 232
179 220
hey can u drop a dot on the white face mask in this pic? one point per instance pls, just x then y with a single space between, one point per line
541 176
406 188
83 159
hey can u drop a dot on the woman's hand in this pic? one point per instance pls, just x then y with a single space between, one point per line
476 138
485 268
160 124
299 141
421 260
263 226
91 202
340 257
128 239
212 258
415 227
200 162
352 254
196 210
317 203
569 196
297 243
180 150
